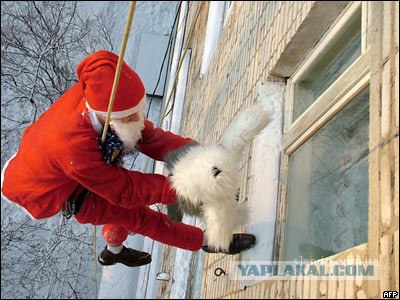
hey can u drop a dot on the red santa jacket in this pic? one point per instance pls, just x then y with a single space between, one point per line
59 151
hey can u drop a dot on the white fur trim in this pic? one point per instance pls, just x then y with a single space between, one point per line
115 249
5 198
123 113
95 121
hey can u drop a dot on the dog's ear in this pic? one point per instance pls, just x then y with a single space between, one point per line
215 171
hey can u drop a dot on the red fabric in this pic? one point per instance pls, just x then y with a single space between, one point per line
59 151
96 74
142 220
113 234
155 142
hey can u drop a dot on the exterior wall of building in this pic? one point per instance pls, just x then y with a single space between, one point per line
265 41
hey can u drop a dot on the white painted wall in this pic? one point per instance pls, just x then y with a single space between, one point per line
213 30
264 177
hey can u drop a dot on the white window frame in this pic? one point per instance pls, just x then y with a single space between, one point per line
218 14
227 11
340 93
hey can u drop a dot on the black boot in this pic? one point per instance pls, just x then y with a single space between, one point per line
127 256
240 242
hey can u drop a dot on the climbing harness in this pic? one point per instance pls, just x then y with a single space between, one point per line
74 202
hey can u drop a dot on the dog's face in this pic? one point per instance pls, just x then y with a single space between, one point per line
206 174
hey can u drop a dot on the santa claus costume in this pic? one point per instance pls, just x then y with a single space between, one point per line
59 157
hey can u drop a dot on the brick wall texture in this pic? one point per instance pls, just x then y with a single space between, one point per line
254 37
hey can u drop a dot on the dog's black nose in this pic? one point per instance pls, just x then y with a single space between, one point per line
215 171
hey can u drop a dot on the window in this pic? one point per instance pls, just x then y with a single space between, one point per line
218 12
343 50
227 11
325 191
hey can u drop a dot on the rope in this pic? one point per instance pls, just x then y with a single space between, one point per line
110 106
95 260
188 41
119 67
115 84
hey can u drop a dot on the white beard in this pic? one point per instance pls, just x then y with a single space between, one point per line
129 133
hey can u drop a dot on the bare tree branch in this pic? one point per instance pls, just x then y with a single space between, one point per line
41 41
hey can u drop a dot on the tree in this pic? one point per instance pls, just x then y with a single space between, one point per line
41 43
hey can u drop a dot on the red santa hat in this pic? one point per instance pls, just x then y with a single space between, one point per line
96 75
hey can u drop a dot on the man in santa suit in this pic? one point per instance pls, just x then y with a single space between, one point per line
59 166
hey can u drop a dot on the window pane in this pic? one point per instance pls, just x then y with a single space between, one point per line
327 193
341 53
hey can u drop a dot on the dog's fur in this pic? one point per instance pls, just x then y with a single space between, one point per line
207 177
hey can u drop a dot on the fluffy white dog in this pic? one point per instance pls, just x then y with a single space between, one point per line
205 177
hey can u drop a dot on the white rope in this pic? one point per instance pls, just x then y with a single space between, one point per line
119 67
188 42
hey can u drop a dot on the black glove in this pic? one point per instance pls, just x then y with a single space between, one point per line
176 210
174 213
173 157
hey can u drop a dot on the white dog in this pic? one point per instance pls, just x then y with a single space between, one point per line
205 177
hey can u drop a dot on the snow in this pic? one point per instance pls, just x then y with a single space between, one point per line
120 281
182 270
149 284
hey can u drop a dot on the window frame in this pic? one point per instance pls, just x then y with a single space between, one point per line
214 29
340 93
227 12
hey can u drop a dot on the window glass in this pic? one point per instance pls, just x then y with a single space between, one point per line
213 32
327 192
227 7
343 50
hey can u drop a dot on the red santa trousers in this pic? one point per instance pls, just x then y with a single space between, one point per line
139 219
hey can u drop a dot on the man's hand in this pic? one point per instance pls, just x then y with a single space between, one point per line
174 156
174 213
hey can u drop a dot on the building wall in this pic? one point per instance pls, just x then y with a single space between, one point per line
265 41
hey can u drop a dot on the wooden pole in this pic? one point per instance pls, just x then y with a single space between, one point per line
119 67
110 106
